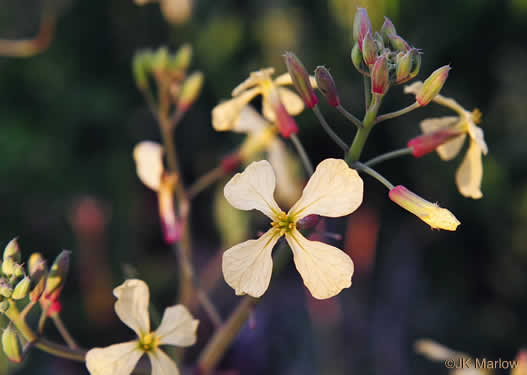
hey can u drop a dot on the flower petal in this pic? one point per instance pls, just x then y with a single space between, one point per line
226 114
476 134
288 182
162 364
254 79
470 173
249 121
333 190
118 359
253 189
414 88
450 149
177 327
132 305
285 79
148 158
325 269
291 101
247 267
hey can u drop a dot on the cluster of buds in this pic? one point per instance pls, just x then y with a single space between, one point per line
382 55
17 283
169 71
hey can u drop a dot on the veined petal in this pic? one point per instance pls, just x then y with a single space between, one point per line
118 359
253 189
290 100
162 364
476 134
288 182
177 327
470 173
148 158
226 114
132 305
450 149
247 267
325 269
249 121
431 125
333 190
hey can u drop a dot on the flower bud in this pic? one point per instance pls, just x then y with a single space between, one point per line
432 85
180 61
300 78
37 273
5 289
4 304
11 344
379 41
159 59
430 213
57 275
387 29
326 85
369 49
285 123
429 142
190 91
398 43
361 26
416 63
403 67
356 57
12 250
141 68
379 76
22 288
19 270
9 267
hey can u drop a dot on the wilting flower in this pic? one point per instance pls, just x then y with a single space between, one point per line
177 327
277 105
470 172
334 190
148 158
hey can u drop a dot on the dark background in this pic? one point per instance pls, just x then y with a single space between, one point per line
69 119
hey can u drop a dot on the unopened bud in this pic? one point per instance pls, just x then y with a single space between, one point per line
57 275
398 43
285 123
361 26
356 57
430 213
141 68
9 267
369 49
12 250
416 63
19 270
326 85
387 29
379 41
190 91
180 61
11 345
5 289
429 142
379 76
433 84
300 79
4 305
22 288
37 272
159 59
404 65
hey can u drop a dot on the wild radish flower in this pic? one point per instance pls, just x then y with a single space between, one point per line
177 327
278 102
148 158
430 213
470 172
334 190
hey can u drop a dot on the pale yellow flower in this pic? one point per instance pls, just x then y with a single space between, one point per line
226 114
174 11
177 327
334 190
470 172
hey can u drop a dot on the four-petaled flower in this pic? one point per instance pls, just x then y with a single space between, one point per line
334 190
278 103
177 327
470 172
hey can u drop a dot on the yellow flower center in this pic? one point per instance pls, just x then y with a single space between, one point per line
148 342
283 223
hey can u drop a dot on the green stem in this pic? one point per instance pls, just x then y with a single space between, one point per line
303 155
363 133
398 113
388 156
204 182
64 331
349 116
367 92
373 173
328 129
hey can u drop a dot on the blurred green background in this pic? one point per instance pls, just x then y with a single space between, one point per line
69 119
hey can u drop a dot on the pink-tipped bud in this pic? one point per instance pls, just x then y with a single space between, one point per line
190 91
285 123
230 163
57 276
430 213
403 67
388 29
326 85
300 78
432 85
172 226
361 26
356 57
379 41
379 76
369 49
429 142
398 43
